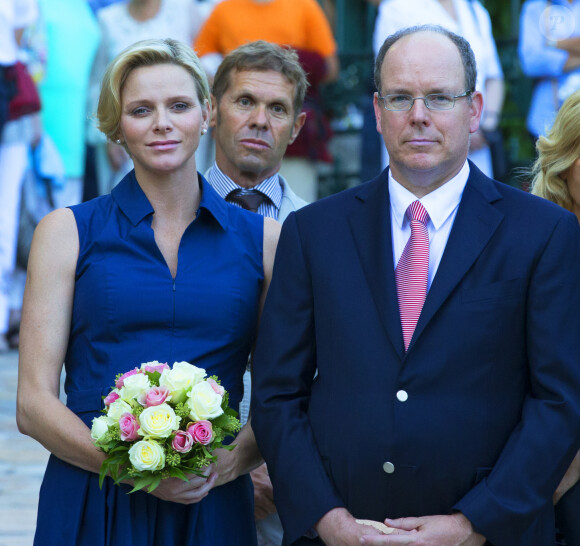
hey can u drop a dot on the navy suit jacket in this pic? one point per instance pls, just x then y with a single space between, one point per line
492 375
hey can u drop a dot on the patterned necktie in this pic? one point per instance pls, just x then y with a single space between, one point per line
412 271
247 199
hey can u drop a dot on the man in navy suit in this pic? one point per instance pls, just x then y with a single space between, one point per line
460 429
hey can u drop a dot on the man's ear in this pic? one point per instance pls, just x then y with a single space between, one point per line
476 108
298 124
214 112
378 112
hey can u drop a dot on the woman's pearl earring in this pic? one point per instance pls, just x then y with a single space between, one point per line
203 131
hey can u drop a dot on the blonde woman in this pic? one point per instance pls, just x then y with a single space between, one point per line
557 169
557 178
160 269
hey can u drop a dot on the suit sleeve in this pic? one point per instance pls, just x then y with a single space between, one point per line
284 367
542 446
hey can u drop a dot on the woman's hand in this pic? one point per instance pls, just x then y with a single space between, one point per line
190 492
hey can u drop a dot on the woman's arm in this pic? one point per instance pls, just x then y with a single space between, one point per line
46 316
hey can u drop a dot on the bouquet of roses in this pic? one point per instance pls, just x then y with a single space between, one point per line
162 422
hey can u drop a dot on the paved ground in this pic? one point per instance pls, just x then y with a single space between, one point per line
22 463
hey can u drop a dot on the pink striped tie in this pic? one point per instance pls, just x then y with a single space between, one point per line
412 271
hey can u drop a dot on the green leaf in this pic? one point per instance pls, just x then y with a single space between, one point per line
153 378
156 480
175 472
102 475
141 482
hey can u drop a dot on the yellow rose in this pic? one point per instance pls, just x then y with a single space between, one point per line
158 421
204 402
147 455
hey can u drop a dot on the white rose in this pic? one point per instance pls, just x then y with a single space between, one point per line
100 426
158 421
147 455
180 378
153 364
204 402
134 385
116 409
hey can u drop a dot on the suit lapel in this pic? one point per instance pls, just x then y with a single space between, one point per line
370 225
476 221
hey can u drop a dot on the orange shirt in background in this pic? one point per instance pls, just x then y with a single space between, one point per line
297 23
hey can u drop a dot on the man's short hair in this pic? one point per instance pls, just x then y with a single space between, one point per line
465 51
262 56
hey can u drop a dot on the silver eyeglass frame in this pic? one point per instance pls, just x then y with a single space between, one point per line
425 99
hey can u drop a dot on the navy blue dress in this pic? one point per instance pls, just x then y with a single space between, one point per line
127 310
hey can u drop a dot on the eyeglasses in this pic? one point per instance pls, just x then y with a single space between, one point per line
434 101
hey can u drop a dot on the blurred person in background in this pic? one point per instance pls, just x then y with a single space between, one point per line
16 136
160 267
302 25
122 24
557 178
469 19
549 51
72 39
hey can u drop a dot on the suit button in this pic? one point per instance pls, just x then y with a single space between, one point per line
402 396
389 468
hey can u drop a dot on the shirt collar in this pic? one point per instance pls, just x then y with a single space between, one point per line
439 203
132 200
271 187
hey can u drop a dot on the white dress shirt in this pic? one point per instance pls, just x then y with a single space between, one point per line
441 205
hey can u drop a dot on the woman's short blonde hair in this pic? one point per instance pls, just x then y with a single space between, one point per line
557 152
144 53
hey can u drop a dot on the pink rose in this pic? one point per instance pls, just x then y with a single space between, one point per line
218 389
201 432
154 396
121 381
182 442
129 426
157 368
110 398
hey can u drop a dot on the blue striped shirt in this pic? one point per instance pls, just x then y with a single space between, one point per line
270 187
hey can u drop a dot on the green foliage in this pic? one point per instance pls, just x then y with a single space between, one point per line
153 378
172 458
181 410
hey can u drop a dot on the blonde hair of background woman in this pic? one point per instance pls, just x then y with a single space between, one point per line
144 53
557 151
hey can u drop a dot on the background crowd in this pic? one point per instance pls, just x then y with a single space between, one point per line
54 156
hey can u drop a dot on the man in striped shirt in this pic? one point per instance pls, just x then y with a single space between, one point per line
257 99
